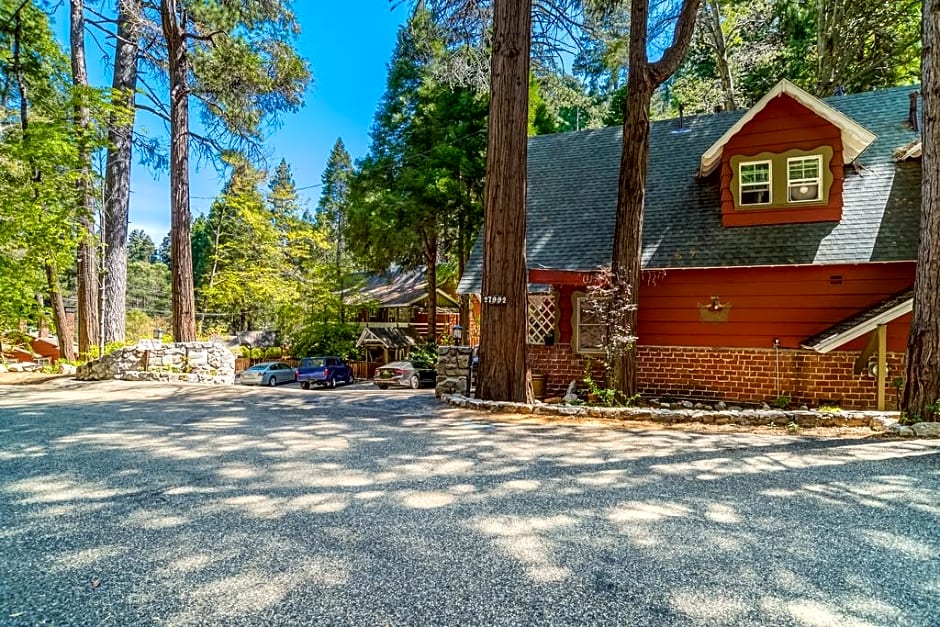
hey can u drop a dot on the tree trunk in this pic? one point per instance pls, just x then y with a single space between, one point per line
504 373
87 259
63 331
431 260
713 21
922 390
184 310
628 231
117 181
644 77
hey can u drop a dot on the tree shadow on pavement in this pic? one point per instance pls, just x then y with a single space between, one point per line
182 505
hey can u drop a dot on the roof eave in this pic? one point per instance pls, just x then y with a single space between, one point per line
834 342
855 137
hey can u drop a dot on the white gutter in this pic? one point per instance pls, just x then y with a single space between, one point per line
861 329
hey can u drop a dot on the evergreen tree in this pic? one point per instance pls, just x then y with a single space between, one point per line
416 197
140 247
332 217
235 59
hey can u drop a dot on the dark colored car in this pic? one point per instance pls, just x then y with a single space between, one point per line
405 374
327 371
267 373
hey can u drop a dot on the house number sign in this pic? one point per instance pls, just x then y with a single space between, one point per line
494 300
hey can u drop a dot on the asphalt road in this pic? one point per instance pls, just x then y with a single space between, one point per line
176 505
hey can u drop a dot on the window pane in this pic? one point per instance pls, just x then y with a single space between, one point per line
591 325
804 169
591 336
803 192
755 197
755 173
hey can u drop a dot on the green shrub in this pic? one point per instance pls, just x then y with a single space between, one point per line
326 338
424 356
782 402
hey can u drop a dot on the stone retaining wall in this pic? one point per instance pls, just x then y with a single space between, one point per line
190 362
876 421
453 369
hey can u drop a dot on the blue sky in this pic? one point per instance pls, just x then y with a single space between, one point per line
348 45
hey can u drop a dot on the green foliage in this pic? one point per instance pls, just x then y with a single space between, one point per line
140 247
254 258
424 357
417 197
140 326
782 402
39 161
326 338
608 397
820 46
247 72
793 428
148 288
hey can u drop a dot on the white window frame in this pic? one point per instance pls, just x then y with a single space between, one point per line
770 181
577 330
817 181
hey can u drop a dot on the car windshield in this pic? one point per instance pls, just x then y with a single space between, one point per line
258 367
313 362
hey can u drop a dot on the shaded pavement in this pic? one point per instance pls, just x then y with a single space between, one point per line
125 504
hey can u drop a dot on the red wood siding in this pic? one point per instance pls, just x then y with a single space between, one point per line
782 125
791 303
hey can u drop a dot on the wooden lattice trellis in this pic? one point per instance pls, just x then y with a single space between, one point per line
541 317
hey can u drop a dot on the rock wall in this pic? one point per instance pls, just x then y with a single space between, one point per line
453 368
191 362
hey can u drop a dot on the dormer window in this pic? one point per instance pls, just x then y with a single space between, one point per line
755 183
803 179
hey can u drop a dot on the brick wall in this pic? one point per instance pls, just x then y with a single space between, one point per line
745 375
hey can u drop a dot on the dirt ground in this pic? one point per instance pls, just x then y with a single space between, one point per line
28 378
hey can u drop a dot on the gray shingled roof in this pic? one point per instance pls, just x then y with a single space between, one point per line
396 288
572 196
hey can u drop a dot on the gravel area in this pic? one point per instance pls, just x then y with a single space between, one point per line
131 504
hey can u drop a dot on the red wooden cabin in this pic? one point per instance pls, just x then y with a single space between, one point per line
779 248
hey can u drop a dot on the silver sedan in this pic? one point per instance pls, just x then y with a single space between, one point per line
403 373
268 373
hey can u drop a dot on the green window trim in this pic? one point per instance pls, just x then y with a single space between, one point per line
779 179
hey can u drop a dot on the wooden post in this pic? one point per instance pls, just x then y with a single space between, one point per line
882 364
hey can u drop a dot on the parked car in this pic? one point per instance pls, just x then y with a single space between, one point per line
267 373
328 371
404 373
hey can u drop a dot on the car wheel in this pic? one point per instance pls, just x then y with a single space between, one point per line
305 385
349 379
414 382
332 383
382 386
272 381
